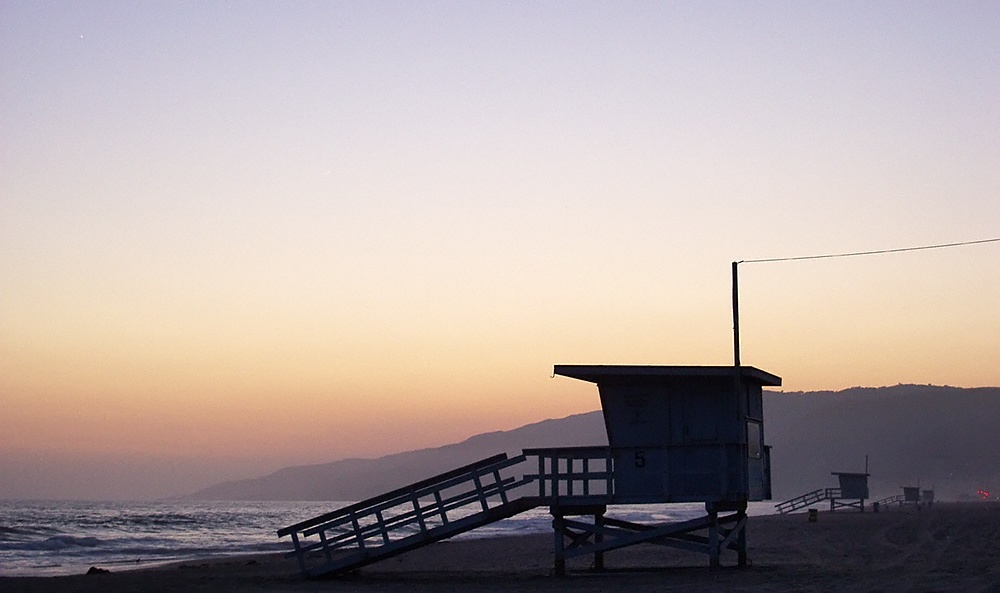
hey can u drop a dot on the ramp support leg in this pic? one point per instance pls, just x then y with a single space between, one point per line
598 539
741 540
713 539
722 538
560 549
580 537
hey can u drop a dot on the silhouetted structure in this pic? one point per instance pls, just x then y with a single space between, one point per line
852 493
680 434
676 434
910 496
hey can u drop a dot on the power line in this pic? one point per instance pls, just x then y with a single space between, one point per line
875 252
736 306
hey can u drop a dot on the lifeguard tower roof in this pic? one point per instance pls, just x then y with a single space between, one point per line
602 372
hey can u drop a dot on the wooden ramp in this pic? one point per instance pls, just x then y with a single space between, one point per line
410 517
897 499
799 502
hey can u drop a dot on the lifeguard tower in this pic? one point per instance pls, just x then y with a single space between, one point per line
679 434
911 496
675 434
683 434
851 493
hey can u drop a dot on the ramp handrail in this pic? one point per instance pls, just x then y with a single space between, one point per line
359 507
891 499
794 504
407 517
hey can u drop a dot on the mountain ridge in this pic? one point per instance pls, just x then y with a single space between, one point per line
937 435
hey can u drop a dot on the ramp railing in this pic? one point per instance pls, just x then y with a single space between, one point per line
898 498
408 517
794 504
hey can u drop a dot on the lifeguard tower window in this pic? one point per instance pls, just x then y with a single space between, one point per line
755 439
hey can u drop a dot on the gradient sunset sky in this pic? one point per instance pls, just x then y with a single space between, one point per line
241 235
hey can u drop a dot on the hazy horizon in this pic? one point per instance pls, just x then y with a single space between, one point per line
235 235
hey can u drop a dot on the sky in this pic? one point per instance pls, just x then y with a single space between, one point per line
236 236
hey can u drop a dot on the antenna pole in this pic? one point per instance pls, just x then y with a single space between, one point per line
737 387
736 317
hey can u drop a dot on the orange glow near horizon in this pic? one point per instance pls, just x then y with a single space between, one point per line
231 389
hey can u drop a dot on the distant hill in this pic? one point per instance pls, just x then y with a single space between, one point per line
943 437
354 479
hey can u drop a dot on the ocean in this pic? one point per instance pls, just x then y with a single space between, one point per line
45 538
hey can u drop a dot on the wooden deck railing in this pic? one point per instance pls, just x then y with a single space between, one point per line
578 472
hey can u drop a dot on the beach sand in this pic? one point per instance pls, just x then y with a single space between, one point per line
949 547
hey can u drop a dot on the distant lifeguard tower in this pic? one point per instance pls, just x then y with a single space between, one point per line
675 433
911 496
852 493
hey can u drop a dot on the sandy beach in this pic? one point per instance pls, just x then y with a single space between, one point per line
949 547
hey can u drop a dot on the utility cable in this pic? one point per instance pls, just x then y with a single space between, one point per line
875 252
